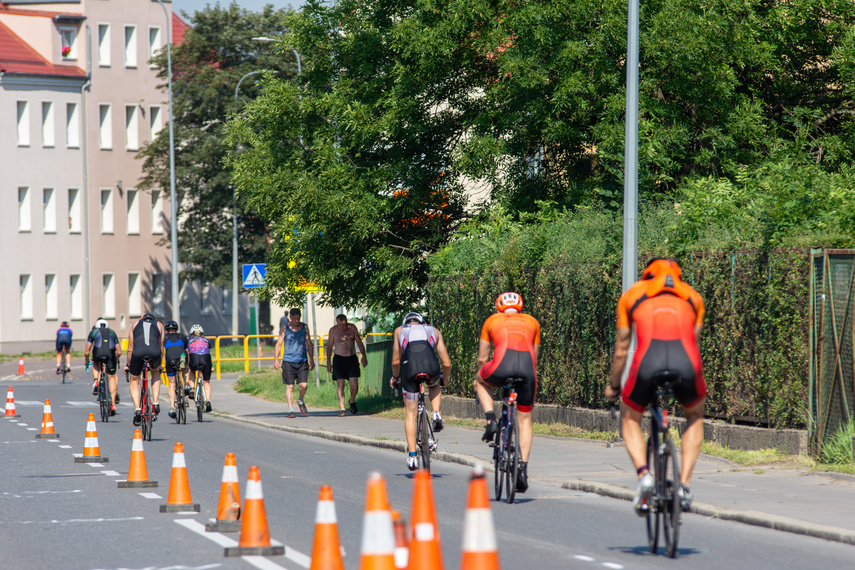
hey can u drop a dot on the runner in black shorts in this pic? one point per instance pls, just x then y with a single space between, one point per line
298 358
341 342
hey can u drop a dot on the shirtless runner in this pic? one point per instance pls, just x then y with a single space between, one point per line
344 365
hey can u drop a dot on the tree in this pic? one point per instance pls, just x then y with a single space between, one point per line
217 51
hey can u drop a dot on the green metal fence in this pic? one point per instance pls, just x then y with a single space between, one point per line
832 376
375 378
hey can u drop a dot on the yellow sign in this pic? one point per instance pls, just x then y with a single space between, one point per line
307 287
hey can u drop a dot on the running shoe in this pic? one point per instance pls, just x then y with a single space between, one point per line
437 422
291 414
172 413
490 431
641 503
57 369
303 409
207 406
112 410
684 493
342 413
188 391
95 388
412 462
118 399
353 409
137 417
156 410
522 479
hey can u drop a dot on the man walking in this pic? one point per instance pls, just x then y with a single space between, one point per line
297 358
342 363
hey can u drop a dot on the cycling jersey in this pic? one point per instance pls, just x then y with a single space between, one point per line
146 335
418 355
199 345
514 337
63 339
174 345
104 347
665 319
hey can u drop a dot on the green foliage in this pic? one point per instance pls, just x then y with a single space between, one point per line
217 51
837 450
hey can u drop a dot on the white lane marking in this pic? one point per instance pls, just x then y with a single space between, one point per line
111 473
150 496
29 403
31 429
69 521
175 567
262 563
7 494
77 454
257 561
65 446
81 404
22 424
198 528
298 557
583 558
95 464
613 565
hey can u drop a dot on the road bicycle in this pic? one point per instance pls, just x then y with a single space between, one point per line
63 364
425 440
180 398
103 390
199 393
146 404
664 504
506 460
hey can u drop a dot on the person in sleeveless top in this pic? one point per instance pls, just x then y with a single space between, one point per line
298 358
146 340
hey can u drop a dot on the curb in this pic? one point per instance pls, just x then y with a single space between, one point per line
753 518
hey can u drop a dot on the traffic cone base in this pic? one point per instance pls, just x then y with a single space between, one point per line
45 435
10 405
254 551
179 499
223 526
47 424
137 472
92 459
254 536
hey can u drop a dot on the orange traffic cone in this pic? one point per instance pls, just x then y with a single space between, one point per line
254 536
179 499
21 367
378 538
91 449
402 551
228 511
425 551
326 551
47 424
137 472
480 551
10 405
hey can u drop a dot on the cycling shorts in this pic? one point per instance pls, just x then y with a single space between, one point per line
201 362
514 364
135 366
60 344
110 362
662 356
345 367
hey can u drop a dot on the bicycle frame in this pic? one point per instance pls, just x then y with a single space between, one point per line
506 446
661 454
146 405
425 440
104 400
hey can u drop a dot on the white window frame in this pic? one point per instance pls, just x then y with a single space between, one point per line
48 125
134 294
130 46
155 120
154 44
25 285
107 211
25 210
51 297
158 294
132 128
105 126
75 296
75 211
104 45
23 123
68 37
49 210
108 295
156 212
72 125
133 210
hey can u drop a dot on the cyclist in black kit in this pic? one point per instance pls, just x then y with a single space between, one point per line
174 346
146 339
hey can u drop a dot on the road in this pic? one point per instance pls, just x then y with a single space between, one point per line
60 514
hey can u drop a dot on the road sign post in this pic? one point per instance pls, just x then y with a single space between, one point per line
254 275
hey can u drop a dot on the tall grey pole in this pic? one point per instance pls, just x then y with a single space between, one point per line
86 304
630 160
176 301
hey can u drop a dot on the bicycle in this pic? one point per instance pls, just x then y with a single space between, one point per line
180 398
63 364
506 461
103 390
199 393
146 405
664 504
425 440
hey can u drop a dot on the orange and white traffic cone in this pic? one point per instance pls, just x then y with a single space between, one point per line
21 367
402 551
228 511
47 424
480 549
425 551
91 449
137 472
10 405
378 537
326 550
179 499
254 536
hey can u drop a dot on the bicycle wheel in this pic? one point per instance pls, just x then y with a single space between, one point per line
104 403
653 512
670 500
498 464
144 413
513 466
424 443
200 399
179 397
148 414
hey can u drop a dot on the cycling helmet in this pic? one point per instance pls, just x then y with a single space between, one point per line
507 302
149 317
661 266
196 329
411 317
665 275
64 324
171 326
101 323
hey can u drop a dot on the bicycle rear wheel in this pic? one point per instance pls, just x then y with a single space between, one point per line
653 507
424 443
148 414
513 466
63 365
669 499
200 397
104 403
498 464
179 397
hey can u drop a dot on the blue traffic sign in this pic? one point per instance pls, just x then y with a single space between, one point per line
253 275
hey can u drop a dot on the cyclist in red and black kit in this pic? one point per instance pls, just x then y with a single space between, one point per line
667 316
515 338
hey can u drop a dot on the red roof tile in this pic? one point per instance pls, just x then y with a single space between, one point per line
179 26
16 56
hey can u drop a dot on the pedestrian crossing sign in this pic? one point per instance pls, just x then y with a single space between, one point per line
253 275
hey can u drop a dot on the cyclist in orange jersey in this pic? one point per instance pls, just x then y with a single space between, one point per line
515 338
667 316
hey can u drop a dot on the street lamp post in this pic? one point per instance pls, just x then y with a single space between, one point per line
176 302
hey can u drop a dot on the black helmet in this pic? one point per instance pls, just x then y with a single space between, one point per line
171 326
64 324
149 317
411 317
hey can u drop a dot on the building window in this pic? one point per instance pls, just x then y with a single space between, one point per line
49 210
75 297
106 210
108 295
26 291
154 44
227 301
206 299
51 297
158 295
48 125
130 46
156 212
105 126
74 211
132 135
155 120
69 43
133 213
104 45
134 295
25 223
23 123
72 126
